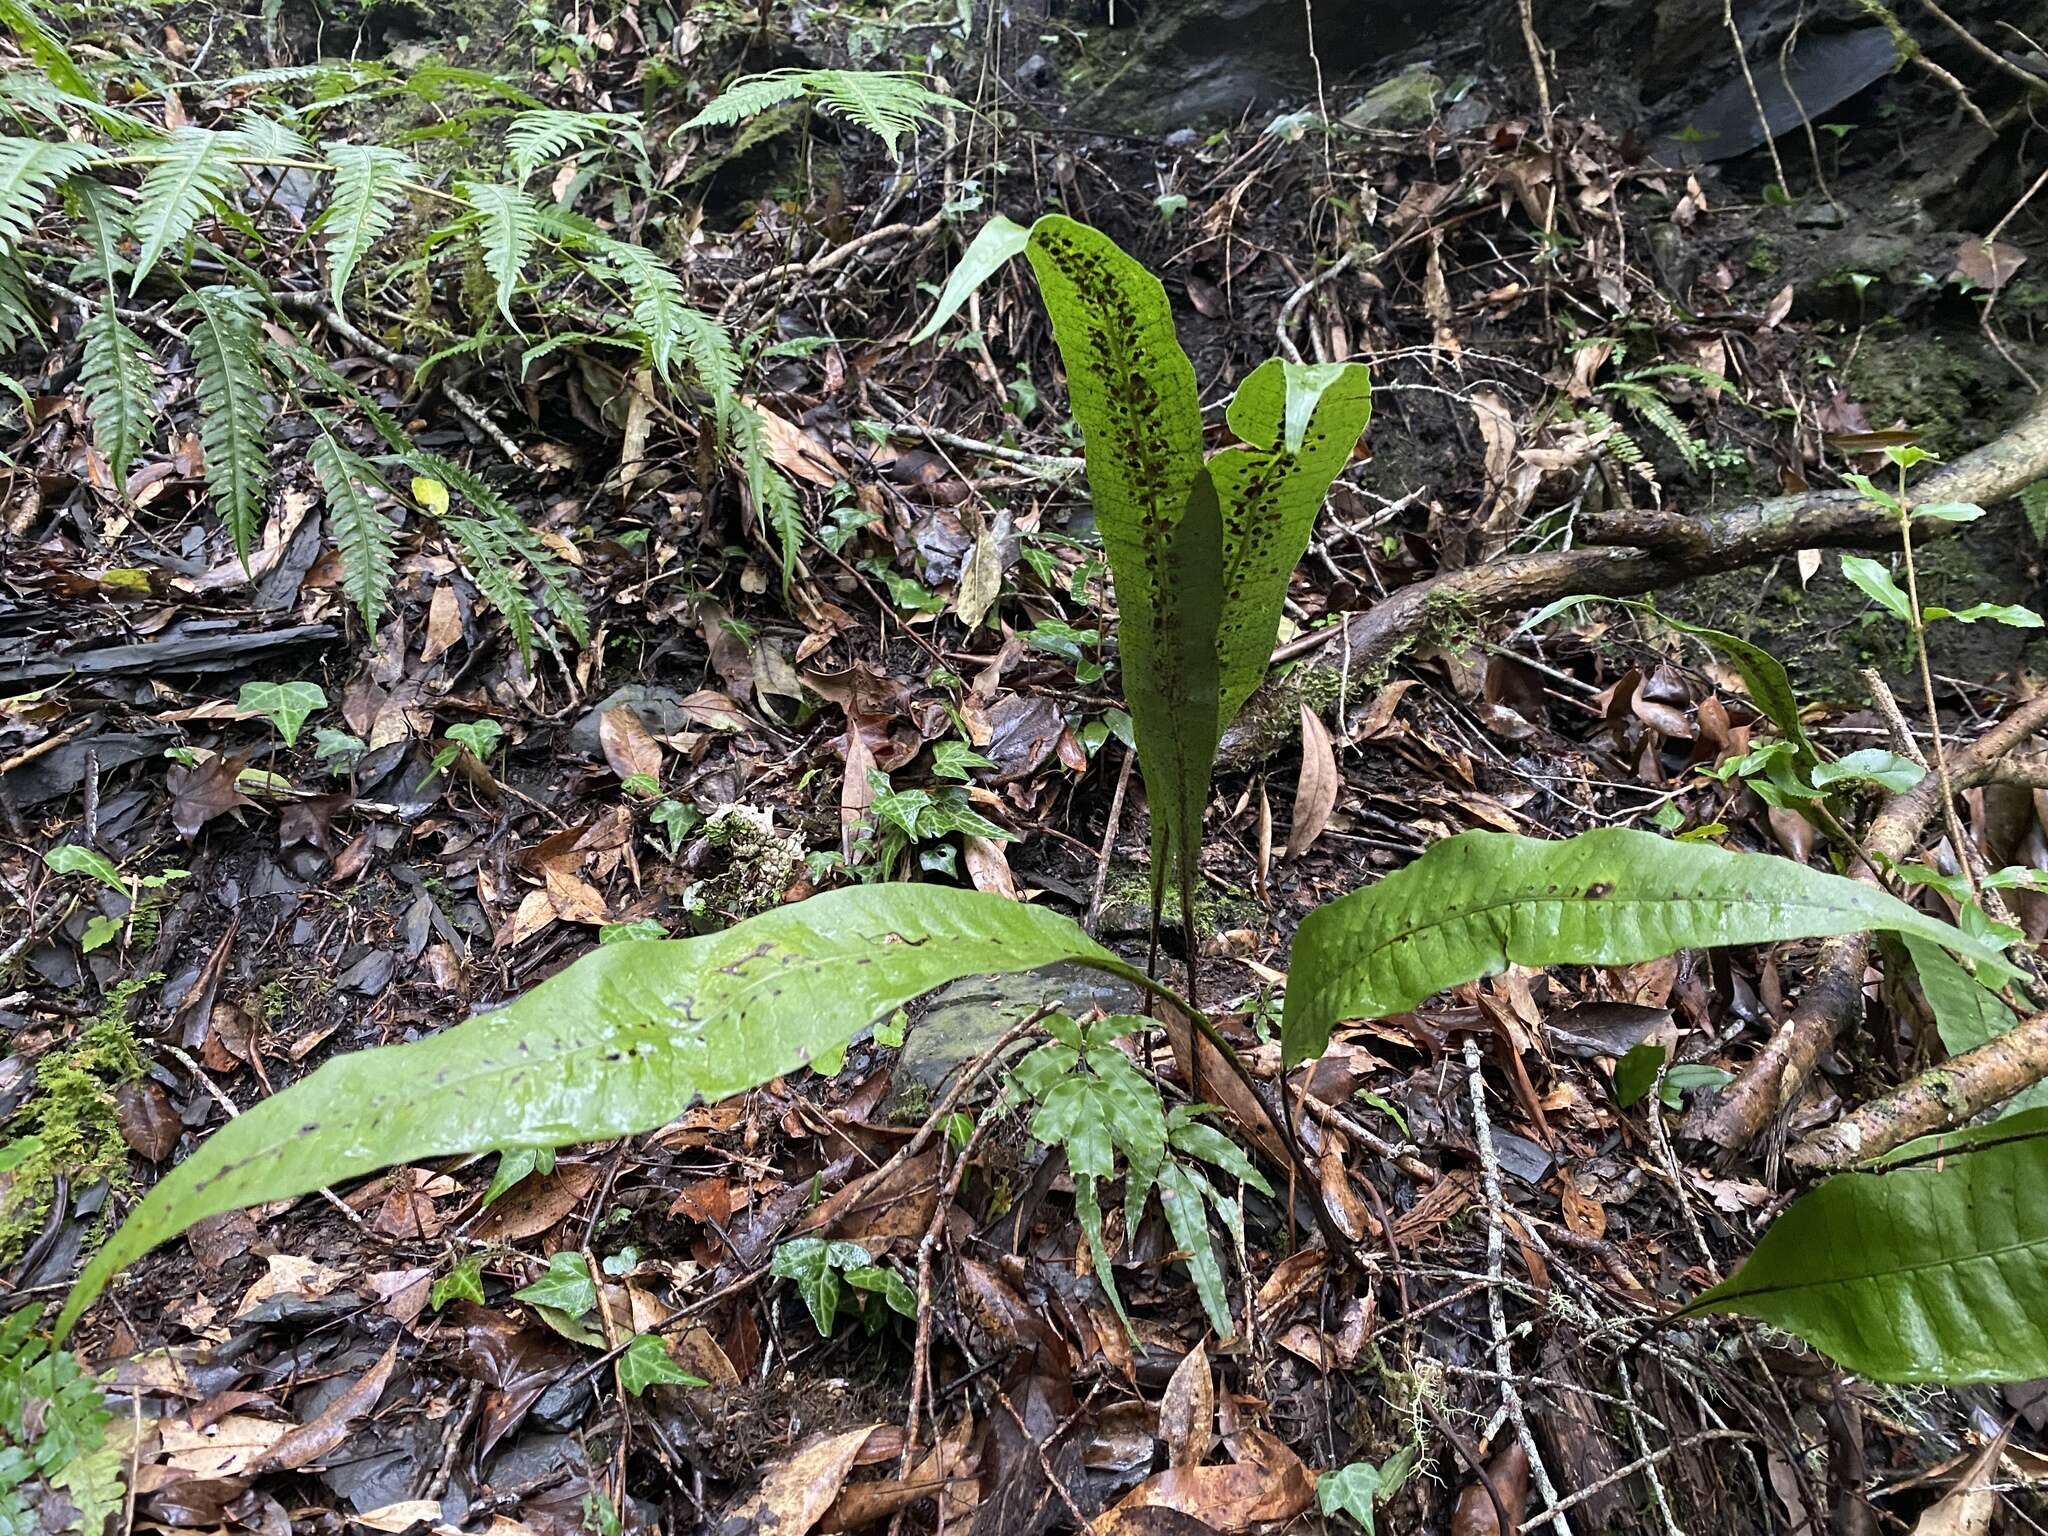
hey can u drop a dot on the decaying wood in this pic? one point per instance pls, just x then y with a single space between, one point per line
1944 1096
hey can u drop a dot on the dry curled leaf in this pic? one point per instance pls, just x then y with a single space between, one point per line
628 746
1315 792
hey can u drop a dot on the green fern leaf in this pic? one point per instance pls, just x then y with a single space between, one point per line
233 409
489 561
667 323
368 183
508 224
101 214
890 105
2034 502
40 44
535 138
18 319
775 499
265 138
746 97
361 532
117 376
513 536
193 178
28 169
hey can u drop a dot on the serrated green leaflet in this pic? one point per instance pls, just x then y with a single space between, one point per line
1479 902
1929 1272
620 1042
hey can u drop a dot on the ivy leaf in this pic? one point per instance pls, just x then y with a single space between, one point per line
1877 584
465 1282
566 1287
646 1363
517 1166
815 1264
284 705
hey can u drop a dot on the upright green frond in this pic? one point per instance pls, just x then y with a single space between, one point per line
233 409
362 534
102 216
197 169
508 223
117 375
28 169
368 184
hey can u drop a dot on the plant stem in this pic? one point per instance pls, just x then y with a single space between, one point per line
1919 625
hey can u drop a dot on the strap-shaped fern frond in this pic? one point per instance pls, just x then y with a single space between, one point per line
233 410
362 534
192 179
508 224
369 180
890 104
28 169
117 375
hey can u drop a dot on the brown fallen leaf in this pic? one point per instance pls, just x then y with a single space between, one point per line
1315 792
1187 1413
201 793
1269 1484
227 1447
1988 263
628 747
444 624
988 866
797 1490
1149 1520
794 453
148 1123
310 1442
535 1205
1967 1508
1508 1471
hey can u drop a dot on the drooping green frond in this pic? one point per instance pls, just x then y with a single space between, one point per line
775 499
25 96
28 169
716 361
667 323
40 44
362 534
233 410
890 104
514 536
469 346
17 314
535 138
750 95
117 375
489 561
508 224
266 138
197 169
368 184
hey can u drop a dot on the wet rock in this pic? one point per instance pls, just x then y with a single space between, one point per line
659 709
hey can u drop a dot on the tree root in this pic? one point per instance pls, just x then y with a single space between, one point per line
1638 552
1944 1096
1834 988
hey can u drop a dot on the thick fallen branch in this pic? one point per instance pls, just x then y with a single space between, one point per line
1947 1095
1833 994
1638 552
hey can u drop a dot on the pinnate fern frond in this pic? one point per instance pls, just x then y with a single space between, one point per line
513 537
118 377
233 410
369 181
193 177
508 224
102 217
28 169
535 138
890 104
17 315
489 560
361 532
266 138
41 44
2034 502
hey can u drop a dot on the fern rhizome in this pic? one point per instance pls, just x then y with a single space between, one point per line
169 247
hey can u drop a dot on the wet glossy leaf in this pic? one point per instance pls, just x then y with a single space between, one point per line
1877 584
816 1265
646 1363
619 1043
566 1286
1872 765
1476 903
1930 1272
77 859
